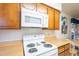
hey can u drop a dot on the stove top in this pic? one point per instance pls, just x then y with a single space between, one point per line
32 50
43 42
31 45
34 46
47 45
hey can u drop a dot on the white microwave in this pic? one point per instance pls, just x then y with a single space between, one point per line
33 19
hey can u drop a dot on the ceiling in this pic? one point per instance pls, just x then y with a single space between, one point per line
71 9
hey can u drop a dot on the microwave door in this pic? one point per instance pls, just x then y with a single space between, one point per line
31 20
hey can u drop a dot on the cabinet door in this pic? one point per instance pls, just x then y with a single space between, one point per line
67 52
61 49
9 16
67 49
42 8
50 18
2 20
67 46
57 18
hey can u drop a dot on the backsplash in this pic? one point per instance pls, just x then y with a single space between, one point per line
36 31
31 30
10 35
46 32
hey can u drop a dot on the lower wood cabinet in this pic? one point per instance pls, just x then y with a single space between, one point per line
61 54
64 50
67 46
61 49
67 52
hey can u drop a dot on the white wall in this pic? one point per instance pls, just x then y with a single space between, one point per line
68 35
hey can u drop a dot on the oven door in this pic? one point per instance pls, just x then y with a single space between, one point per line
31 19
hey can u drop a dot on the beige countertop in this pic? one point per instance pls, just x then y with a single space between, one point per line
11 48
57 42
15 48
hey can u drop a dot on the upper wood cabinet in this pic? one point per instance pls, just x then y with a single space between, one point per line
42 8
9 16
29 6
57 20
50 18
64 50
39 7
54 19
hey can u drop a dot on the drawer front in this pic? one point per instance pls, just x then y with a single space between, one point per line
67 46
50 53
60 49
61 54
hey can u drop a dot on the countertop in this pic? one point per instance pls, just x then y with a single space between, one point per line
15 48
57 42
11 48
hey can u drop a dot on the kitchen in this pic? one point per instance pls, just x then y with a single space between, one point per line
33 29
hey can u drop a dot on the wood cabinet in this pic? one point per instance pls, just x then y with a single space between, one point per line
39 7
64 50
61 49
67 52
50 18
67 46
61 54
29 6
57 19
54 19
9 16
42 8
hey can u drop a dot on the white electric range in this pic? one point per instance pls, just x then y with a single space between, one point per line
34 45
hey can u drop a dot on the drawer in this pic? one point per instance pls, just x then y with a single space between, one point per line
60 49
67 46
61 54
50 53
